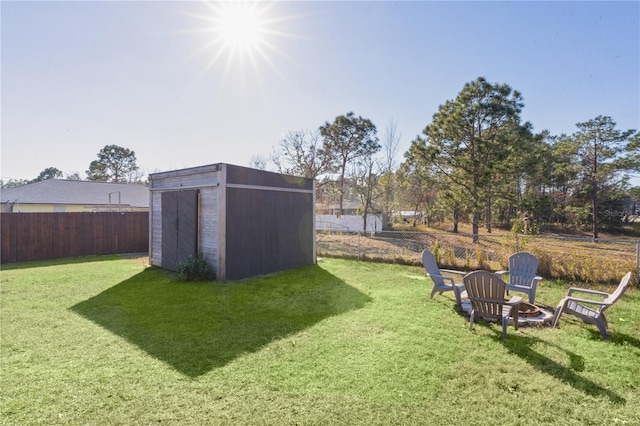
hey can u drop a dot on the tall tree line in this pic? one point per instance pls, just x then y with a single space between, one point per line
485 161
476 161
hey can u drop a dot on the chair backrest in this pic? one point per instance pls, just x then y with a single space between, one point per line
522 268
617 294
430 265
486 293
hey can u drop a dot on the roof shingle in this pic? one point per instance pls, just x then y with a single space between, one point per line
60 191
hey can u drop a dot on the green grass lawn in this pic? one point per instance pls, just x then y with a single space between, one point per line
107 340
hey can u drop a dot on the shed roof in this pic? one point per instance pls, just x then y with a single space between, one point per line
60 191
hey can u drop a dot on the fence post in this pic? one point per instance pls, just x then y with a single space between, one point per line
358 245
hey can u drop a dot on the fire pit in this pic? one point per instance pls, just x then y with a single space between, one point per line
528 314
527 310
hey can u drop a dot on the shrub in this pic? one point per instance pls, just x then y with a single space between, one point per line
436 252
196 268
482 260
450 256
545 262
518 227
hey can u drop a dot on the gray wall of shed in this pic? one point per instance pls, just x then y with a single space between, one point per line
269 223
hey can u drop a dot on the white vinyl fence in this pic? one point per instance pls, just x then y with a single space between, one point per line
348 223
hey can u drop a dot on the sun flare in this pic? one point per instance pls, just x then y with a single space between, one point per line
240 26
240 33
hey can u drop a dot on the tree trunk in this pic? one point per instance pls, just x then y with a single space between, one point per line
474 228
594 195
456 219
488 214
595 219
344 167
364 217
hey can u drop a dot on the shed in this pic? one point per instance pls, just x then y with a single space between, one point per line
243 221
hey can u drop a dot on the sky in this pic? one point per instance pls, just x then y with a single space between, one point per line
190 83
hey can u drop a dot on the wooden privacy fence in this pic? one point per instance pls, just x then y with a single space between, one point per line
40 236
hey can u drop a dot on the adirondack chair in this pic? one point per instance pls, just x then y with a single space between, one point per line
591 311
440 281
522 274
486 293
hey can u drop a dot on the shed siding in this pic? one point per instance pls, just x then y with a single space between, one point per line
187 178
205 178
247 176
155 225
209 220
269 231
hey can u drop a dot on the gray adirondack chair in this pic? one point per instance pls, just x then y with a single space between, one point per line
442 283
522 274
486 293
591 311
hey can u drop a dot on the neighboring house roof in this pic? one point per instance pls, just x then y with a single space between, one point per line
59 191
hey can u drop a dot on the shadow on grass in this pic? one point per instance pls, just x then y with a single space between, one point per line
196 327
73 260
522 347
617 338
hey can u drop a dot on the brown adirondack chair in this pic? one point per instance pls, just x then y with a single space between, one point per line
591 311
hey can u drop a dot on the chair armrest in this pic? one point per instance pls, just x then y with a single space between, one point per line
462 291
593 302
501 272
586 290
450 271
515 300
451 280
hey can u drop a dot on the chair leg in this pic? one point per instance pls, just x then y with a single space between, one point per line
604 320
471 315
434 291
601 323
558 313
456 292
505 320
